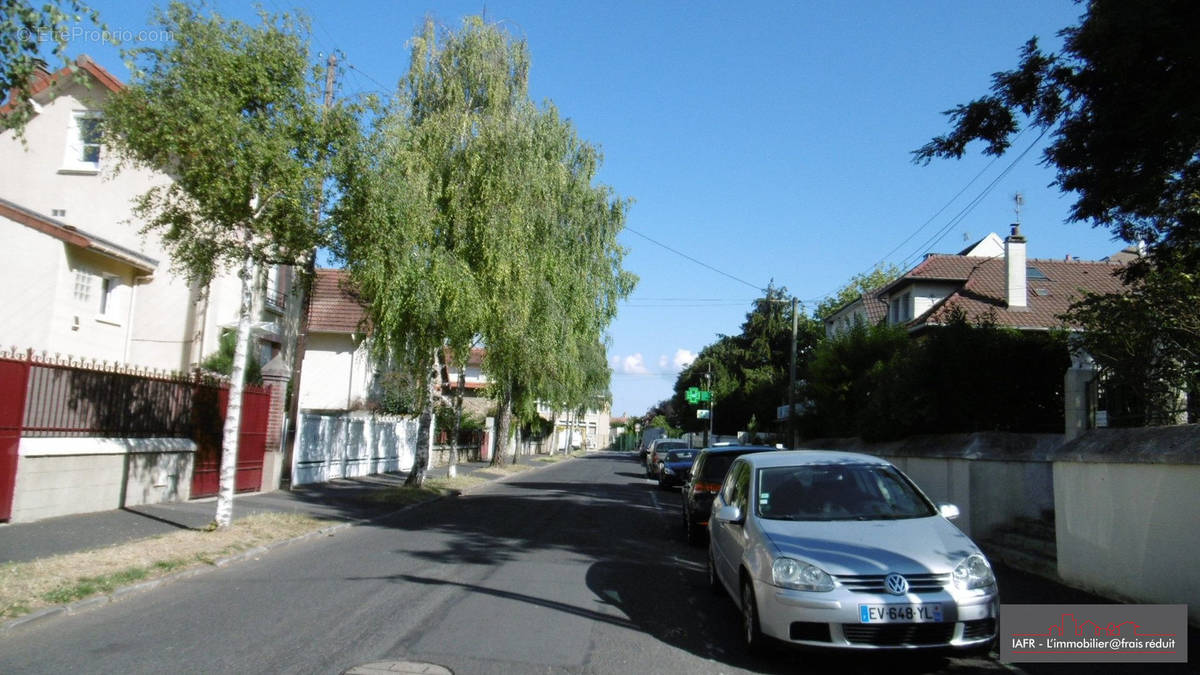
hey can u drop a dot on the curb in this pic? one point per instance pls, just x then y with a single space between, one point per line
99 600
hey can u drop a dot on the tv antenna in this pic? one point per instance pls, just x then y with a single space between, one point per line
1018 202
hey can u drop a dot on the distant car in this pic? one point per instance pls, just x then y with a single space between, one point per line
675 467
705 480
835 549
657 447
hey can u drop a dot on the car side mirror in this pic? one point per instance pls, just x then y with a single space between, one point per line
948 511
730 514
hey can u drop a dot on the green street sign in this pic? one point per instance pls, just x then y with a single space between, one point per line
692 395
706 396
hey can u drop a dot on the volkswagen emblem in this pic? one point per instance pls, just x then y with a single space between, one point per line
896 584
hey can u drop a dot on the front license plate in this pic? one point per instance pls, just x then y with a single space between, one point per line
900 613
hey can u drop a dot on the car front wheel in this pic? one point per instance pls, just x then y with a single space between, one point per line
714 582
751 632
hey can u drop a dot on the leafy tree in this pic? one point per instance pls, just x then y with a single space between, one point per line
859 285
751 370
1123 112
24 31
1156 350
229 111
221 361
843 375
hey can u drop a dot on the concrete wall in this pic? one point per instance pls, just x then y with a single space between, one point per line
350 445
1126 504
63 476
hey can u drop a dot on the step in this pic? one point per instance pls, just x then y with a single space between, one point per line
1024 542
1024 561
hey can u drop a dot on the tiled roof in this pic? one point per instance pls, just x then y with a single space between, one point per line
75 236
44 80
984 289
475 359
334 307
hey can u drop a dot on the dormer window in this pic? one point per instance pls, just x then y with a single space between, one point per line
83 143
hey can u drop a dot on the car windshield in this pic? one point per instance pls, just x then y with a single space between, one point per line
838 492
680 455
672 446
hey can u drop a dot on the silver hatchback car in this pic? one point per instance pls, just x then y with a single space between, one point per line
836 549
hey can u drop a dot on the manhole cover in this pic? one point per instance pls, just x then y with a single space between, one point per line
399 667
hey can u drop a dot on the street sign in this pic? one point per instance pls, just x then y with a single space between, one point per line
706 395
702 414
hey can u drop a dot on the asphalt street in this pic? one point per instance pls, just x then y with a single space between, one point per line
579 567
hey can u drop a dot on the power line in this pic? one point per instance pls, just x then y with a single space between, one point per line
940 234
698 262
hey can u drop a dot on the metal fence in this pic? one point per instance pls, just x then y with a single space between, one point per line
78 397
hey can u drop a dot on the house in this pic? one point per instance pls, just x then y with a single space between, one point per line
475 381
868 309
78 277
336 373
1009 288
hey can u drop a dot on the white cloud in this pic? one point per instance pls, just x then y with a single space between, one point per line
634 364
683 359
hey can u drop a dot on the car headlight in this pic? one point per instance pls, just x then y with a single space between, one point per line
973 572
668 471
801 576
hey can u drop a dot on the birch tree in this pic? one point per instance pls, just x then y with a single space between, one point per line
229 111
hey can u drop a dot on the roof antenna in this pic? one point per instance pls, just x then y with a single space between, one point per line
1018 202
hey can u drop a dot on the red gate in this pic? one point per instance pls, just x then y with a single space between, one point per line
252 446
14 378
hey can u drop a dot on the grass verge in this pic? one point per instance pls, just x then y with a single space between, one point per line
29 586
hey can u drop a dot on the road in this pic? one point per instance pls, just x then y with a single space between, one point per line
579 567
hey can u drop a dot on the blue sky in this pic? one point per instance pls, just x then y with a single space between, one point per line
768 140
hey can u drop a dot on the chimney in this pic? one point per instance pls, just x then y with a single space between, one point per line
1014 269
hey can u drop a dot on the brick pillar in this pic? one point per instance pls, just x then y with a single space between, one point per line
275 375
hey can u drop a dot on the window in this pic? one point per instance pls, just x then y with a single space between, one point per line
83 286
108 294
83 142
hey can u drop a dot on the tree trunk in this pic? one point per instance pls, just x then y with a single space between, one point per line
416 477
553 433
452 468
503 427
233 412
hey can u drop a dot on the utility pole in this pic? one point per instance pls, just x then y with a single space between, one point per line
791 425
712 401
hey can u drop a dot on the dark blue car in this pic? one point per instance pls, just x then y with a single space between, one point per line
675 468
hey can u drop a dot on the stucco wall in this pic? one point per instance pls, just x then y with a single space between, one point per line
337 372
64 476
31 262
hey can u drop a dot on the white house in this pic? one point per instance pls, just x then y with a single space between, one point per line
77 276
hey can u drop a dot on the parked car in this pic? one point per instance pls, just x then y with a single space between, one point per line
705 480
675 466
833 549
659 447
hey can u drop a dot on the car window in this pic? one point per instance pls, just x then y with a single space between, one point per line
672 445
838 492
680 455
741 486
727 487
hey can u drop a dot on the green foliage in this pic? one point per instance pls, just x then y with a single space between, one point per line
398 395
859 285
467 212
877 383
25 30
1123 112
751 370
230 112
1147 343
661 422
221 361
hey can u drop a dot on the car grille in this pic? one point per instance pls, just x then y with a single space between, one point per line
982 628
874 583
897 635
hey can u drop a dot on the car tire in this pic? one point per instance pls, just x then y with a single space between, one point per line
714 582
663 484
752 636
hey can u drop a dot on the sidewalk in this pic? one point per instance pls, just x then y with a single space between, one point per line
341 499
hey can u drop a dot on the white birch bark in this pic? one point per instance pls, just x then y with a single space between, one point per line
233 412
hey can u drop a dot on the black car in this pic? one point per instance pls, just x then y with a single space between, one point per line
674 469
708 472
